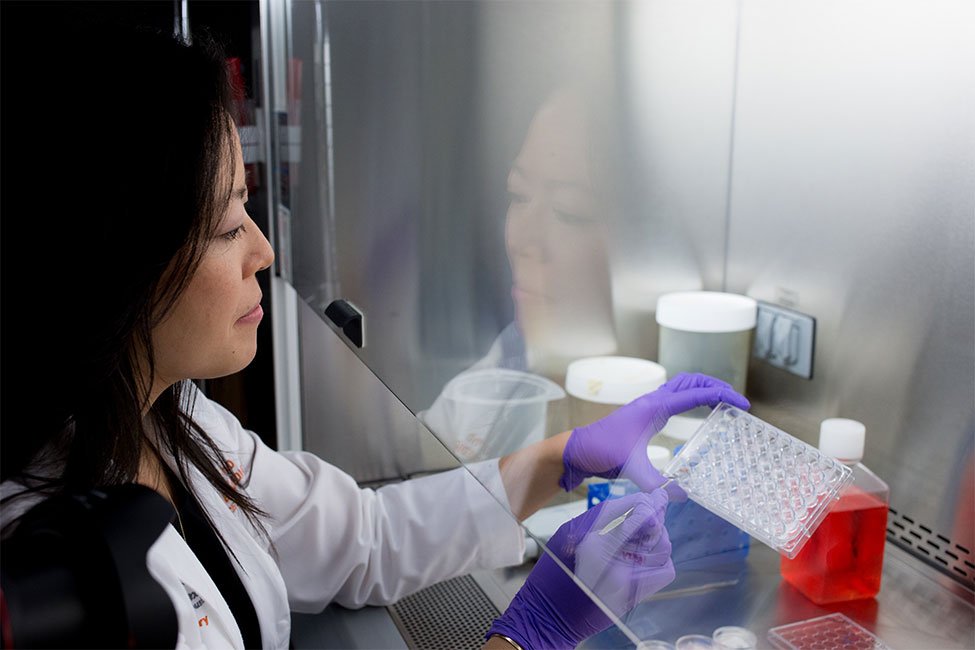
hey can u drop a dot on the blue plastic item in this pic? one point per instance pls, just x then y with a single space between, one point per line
707 550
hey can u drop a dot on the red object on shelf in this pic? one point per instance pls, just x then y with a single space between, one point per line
844 558
235 70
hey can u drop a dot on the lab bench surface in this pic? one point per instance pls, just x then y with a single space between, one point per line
916 609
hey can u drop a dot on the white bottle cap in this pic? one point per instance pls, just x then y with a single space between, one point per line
613 380
659 456
706 311
842 439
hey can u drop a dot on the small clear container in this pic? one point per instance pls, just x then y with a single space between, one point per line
491 412
732 637
759 478
694 642
655 644
835 631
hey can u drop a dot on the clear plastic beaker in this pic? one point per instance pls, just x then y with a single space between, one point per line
491 412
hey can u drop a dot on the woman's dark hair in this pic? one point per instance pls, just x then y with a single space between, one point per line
115 164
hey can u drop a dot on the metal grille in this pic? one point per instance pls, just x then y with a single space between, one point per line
450 615
933 548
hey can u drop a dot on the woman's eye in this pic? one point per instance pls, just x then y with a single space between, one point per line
572 219
235 233
516 197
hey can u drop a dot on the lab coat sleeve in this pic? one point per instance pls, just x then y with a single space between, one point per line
335 541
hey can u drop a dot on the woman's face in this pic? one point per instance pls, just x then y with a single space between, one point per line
211 331
556 234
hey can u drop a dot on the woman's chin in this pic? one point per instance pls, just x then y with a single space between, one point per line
237 361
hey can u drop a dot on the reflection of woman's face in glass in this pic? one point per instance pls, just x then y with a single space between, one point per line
556 239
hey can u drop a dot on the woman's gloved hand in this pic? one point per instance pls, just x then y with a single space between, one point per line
616 445
622 565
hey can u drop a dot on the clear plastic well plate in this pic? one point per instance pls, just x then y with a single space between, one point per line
832 632
763 480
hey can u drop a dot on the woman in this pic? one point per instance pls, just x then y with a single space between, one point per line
144 278
557 226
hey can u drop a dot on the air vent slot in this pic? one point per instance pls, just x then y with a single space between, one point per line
933 548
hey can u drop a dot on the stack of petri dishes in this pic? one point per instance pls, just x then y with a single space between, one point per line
728 637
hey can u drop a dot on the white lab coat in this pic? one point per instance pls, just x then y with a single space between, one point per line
334 542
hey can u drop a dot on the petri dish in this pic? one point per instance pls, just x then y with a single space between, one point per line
732 637
655 644
763 480
694 642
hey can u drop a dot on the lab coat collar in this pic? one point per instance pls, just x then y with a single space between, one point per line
215 613
257 571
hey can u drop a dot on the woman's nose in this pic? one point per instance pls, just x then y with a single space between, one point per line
264 252
527 234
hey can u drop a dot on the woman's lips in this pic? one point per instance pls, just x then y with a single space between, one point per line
253 316
518 293
531 298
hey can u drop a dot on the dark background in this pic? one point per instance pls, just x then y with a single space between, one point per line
249 394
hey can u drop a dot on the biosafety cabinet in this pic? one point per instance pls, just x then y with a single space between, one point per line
466 197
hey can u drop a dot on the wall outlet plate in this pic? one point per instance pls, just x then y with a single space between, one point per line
785 338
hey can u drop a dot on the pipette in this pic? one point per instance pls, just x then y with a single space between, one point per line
619 520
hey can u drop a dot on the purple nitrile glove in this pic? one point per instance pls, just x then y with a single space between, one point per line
621 565
616 445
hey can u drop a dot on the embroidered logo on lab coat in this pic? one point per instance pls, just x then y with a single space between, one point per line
197 601
236 479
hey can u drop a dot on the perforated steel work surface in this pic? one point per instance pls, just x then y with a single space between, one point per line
450 615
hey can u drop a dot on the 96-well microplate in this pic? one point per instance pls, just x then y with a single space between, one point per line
763 480
832 632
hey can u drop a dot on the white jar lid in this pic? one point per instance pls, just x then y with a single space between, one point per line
842 439
682 427
659 456
707 311
613 380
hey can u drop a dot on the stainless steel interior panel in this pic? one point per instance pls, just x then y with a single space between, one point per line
351 419
853 200
679 63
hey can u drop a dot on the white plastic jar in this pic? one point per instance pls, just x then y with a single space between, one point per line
599 385
708 332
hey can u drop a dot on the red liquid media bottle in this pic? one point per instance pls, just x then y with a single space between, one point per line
844 558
